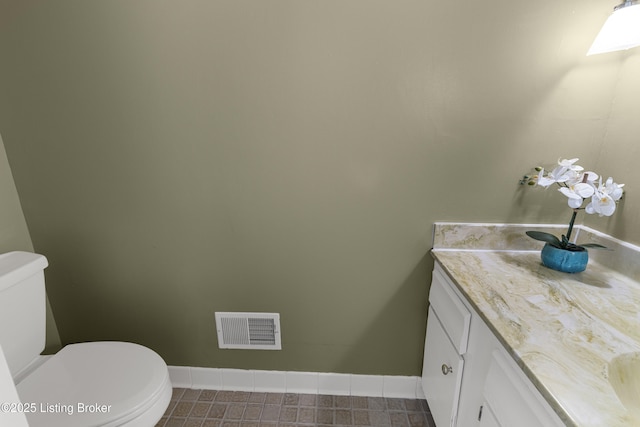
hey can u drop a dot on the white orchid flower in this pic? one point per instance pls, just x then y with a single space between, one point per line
583 189
566 170
603 202
544 181
613 189
573 198
570 164
562 174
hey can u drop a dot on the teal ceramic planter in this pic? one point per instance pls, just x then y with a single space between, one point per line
564 260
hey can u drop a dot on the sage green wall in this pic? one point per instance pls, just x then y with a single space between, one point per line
621 150
14 235
180 158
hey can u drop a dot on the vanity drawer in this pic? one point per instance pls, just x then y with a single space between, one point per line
453 314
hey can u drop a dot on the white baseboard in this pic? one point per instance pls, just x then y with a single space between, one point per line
406 387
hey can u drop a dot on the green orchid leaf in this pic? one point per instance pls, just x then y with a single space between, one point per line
595 246
574 248
545 237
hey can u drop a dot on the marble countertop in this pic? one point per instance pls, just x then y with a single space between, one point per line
562 329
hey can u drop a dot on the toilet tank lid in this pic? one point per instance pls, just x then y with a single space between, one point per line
17 266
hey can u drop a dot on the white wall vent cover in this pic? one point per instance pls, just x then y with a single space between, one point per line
259 331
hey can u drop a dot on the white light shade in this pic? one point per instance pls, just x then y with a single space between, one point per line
620 31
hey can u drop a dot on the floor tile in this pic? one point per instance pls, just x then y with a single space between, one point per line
211 408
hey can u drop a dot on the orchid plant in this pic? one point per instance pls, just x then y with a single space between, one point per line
579 186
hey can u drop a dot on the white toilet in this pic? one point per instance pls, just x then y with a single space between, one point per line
83 385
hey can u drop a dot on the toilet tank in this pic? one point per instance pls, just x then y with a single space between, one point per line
22 308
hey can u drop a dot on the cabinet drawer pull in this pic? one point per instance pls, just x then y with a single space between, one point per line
446 369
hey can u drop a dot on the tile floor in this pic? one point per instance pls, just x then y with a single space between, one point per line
211 408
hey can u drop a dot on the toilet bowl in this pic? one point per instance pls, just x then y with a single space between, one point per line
90 384
98 384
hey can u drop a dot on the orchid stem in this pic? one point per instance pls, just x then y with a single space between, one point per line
573 218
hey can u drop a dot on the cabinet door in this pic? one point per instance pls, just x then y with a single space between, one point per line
488 419
512 398
441 373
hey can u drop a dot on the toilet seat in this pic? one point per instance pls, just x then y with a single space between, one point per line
97 384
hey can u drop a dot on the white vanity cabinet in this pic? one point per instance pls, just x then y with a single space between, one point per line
445 345
468 378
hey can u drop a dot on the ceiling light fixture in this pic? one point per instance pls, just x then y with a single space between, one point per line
620 31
